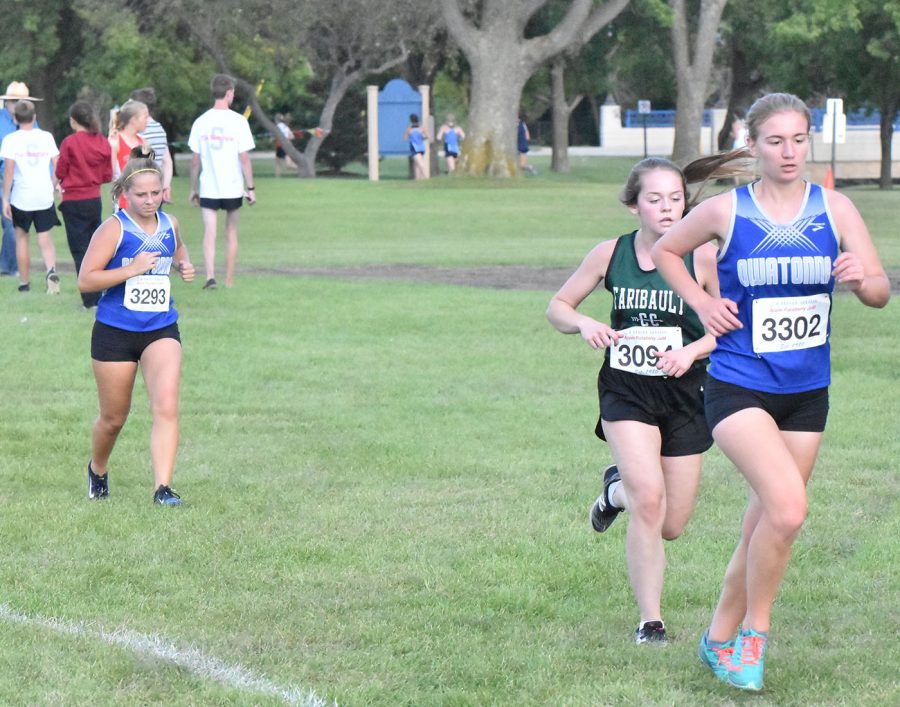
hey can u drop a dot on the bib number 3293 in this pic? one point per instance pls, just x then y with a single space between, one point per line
637 350
790 323
147 293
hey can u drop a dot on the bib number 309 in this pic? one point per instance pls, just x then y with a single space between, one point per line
638 349
790 323
147 293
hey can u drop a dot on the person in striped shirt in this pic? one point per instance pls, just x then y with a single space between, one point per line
156 136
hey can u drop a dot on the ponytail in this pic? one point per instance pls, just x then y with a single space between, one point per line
140 159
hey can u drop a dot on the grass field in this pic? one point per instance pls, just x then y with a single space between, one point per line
386 483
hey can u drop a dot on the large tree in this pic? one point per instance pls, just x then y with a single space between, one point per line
694 44
491 34
42 41
344 42
816 42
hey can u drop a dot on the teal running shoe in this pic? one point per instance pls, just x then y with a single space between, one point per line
750 655
719 658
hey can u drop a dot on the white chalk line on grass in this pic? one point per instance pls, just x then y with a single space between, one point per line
191 659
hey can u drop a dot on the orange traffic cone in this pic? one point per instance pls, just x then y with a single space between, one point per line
829 179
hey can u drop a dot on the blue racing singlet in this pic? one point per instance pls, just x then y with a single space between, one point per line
141 303
779 274
451 142
416 141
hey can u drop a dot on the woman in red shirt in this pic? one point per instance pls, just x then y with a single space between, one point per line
130 120
84 164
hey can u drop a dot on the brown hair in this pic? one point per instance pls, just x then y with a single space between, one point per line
220 85
83 113
634 184
147 96
140 159
24 112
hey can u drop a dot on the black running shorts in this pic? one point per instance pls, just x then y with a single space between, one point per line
43 220
674 405
792 412
109 343
222 204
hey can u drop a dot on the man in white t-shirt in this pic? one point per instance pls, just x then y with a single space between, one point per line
28 187
221 142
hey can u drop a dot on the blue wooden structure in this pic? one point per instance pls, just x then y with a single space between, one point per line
395 102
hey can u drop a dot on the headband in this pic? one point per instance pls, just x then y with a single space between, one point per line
142 169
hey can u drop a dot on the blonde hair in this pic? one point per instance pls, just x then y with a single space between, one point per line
770 104
128 110
740 163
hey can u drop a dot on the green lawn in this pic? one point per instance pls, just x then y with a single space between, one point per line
386 483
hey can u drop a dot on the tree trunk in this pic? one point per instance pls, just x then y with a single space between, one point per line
502 60
340 84
490 145
561 111
745 84
692 73
888 113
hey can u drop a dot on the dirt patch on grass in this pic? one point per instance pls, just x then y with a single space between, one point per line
500 277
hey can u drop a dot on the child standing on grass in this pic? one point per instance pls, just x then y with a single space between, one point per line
28 187
650 384
129 259
783 243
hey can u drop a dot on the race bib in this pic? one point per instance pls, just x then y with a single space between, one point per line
790 323
147 293
637 350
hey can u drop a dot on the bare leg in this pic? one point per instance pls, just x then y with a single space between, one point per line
23 259
653 515
161 368
209 241
48 252
732 604
777 466
115 382
231 245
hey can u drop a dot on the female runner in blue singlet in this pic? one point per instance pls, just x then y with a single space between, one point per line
417 137
129 259
783 243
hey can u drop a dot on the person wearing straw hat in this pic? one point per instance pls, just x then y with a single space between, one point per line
15 92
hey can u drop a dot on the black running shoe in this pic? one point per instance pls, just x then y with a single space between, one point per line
210 284
651 632
165 496
25 287
97 485
603 513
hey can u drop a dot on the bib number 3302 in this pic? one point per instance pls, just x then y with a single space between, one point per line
790 323
637 350
147 293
